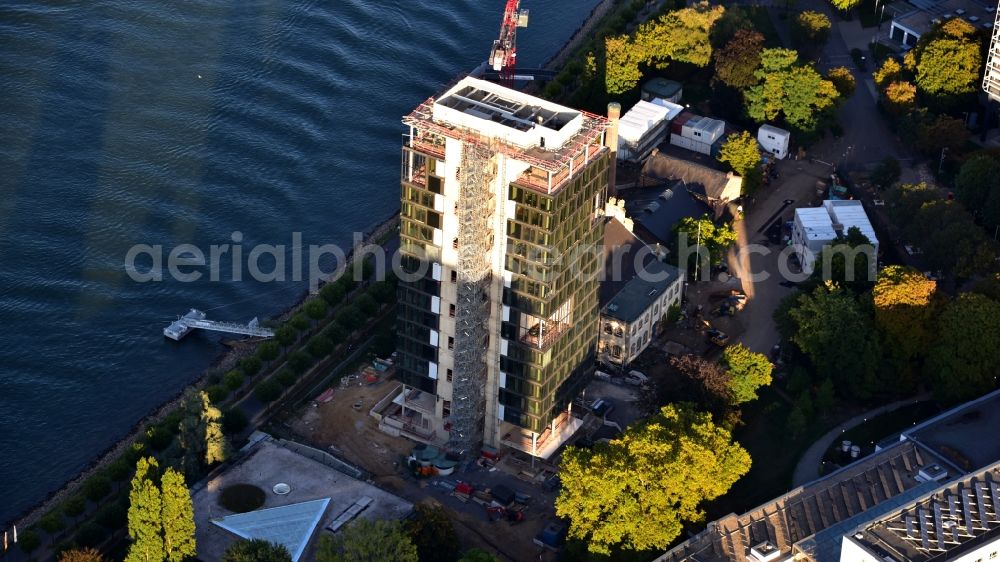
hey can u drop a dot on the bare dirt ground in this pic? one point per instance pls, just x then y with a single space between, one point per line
344 427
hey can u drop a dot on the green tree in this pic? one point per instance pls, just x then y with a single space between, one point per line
97 487
267 391
119 470
697 235
319 346
256 550
679 35
977 180
287 378
748 371
887 173
906 200
825 397
250 365
201 434
478 555
367 304
797 421
268 351
332 293
233 379
234 420
300 322
366 540
52 522
736 62
790 90
316 309
950 64
144 515
850 262
178 518
638 490
286 335
741 152
432 532
842 80
29 541
904 302
950 240
962 362
810 31
942 132
81 555
384 292
350 318
299 361
74 506
838 338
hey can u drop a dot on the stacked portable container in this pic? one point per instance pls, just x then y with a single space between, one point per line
641 129
697 133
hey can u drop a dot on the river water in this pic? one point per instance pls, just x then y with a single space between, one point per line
168 123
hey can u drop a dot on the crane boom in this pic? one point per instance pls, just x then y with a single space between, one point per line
503 57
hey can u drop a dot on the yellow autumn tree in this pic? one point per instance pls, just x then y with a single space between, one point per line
637 491
904 301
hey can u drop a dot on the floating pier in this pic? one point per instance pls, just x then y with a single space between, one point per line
196 319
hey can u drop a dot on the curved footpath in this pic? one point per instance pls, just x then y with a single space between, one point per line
808 468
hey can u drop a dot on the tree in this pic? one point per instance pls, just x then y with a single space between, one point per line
144 513
432 532
978 179
300 322
638 490
234 420
74 506
286 335
905 201
679 35
900 97
950 63
478 555
299 361
842 80
748 371
319 346
810 30
201 434
702 234
904 302
741 152
52 522
825 397
367 304
951 242
29 541
890 72
850 262
332 293
267 391
797 421
736 62
316 309
844 5
96 487
250 365
81 555
366 540
838 338
233 379
887 173
941 133
350 318
256 550
962 362
178 518
788 89
268 351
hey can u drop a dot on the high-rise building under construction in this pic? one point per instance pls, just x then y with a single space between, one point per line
501 236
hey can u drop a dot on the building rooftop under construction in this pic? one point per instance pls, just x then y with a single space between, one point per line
553 139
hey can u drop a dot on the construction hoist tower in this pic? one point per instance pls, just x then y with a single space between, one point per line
472 308
991 79
503 57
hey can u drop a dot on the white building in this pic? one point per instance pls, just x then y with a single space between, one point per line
697 133
774 140
814 228
636 293
641 129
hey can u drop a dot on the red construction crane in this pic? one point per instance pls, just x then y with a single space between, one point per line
503 57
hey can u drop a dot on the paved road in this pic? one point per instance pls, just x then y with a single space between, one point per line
808 468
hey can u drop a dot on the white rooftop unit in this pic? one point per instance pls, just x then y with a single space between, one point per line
640 129
673 109
774 140
703 129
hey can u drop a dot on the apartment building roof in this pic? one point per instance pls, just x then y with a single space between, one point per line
633 275
940 525
966 435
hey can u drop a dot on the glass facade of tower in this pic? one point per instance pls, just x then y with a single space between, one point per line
554 259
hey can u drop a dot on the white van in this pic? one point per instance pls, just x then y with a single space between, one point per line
637 378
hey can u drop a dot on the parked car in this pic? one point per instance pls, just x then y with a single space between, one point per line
602 406
718 337
636 378
601 375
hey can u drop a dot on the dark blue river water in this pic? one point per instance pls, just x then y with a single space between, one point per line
165 123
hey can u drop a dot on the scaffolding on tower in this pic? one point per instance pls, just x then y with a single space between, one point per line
503 57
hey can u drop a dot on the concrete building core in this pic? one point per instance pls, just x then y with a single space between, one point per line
500 233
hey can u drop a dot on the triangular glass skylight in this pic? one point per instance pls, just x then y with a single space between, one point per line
288 525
